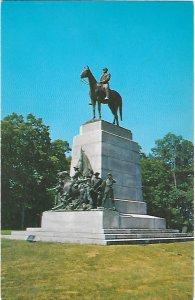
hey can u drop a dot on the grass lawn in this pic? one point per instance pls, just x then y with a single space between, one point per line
65 271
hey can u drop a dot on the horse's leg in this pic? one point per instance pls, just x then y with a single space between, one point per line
94 103
99 109
116 118
113 107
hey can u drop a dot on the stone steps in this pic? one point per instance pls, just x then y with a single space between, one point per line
107 228
103 231
149 240
105 237
143 236
95 240
140 231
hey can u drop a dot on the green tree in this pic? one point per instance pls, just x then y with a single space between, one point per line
156 185
30 162
167 175
177 154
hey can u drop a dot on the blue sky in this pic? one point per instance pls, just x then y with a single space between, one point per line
147 46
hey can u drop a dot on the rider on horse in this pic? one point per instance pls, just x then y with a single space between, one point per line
104 81
97 95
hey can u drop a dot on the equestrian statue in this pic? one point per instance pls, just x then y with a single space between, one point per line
101 93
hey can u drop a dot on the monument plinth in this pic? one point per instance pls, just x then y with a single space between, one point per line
111 149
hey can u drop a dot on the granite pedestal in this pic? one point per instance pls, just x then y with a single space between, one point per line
110 149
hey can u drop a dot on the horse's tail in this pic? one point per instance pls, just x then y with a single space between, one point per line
120 107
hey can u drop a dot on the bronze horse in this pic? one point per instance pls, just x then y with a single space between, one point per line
69 192
98 95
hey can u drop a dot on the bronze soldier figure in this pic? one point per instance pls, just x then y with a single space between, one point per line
95 191
77 174
108 198
104 81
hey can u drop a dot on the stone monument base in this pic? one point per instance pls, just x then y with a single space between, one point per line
95 221
109 148
103 227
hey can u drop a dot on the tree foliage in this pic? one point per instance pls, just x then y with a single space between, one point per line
30 162
167 175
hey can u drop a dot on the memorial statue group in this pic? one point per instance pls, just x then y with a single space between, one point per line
84 192
89 191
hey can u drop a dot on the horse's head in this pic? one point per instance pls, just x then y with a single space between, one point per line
85 73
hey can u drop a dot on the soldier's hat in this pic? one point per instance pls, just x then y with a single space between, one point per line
109 174
96 173
105 69
76 168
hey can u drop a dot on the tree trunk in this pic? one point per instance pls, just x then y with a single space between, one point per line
22 216
175 180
